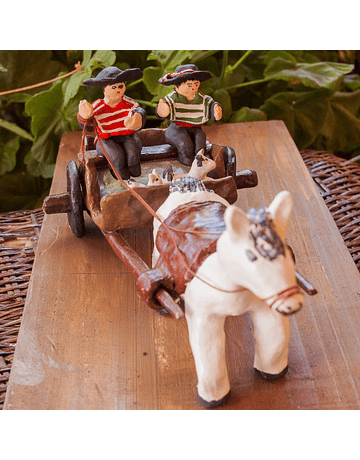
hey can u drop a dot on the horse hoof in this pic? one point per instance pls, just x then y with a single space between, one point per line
267 376
213 404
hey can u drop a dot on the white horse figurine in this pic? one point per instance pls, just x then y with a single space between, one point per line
251 269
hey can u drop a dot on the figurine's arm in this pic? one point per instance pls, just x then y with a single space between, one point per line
85 109
85 114
162 110
215 112
137 120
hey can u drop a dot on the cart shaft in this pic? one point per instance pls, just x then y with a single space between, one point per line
137 266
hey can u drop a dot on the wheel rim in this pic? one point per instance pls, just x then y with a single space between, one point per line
76 215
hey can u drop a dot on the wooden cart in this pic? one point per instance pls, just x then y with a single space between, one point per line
92 188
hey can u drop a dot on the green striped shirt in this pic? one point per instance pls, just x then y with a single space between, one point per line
195 112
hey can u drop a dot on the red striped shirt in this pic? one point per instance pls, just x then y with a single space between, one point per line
111 120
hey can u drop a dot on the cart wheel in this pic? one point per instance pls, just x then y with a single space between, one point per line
76 215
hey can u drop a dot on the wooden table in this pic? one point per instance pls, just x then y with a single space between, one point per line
88 342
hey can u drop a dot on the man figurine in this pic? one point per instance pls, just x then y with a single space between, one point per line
117 117
188 109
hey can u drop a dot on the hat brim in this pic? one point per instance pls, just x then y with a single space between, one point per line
125 75
200 75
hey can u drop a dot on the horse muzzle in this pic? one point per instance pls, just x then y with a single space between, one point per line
286 302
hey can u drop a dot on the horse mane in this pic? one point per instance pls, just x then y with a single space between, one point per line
266 240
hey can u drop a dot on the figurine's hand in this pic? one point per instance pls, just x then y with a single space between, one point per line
134 121
163 109
217 112
85 109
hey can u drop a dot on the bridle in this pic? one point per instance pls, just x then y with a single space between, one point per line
284 295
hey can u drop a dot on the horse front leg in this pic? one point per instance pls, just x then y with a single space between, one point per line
272 334
207 340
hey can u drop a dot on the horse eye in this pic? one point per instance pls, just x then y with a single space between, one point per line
250 255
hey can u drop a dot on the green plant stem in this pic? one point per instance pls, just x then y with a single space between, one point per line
149 104
224 64
241 60
248 83
130 85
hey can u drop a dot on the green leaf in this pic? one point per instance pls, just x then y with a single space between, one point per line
18 97
283 55
86 57
318 119
2 69
21 191
246 114
151 76
304 113
8 152
47 127
15 129
26 68
341 127
102 58
72 85
315 75
43 107
169 59
38 168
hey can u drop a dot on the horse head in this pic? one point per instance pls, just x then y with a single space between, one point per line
254 252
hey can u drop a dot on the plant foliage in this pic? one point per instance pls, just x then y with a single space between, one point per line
317 97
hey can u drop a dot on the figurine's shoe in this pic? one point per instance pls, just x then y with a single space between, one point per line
184 159
124 174
213 404
135 171
267 376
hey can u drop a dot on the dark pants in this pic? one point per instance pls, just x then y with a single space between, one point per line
187 141
124 152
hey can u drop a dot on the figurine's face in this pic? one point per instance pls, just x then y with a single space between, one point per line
188 89
113 93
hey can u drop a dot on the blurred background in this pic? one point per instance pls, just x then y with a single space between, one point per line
315 93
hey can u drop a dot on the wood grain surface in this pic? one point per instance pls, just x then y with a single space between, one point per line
88 342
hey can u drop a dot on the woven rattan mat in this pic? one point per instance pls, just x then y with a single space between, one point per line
19 232
338 182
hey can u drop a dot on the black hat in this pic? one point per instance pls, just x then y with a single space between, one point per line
183 73
112 75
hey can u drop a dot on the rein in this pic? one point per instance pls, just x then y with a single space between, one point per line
286 294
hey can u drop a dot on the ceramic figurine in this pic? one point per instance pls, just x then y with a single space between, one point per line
117 118
199 169
238 263
154 179
200 166
188 109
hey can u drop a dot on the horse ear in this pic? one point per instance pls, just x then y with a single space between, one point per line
280 211
236 222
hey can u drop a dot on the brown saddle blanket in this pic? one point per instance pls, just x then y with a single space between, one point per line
206 217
